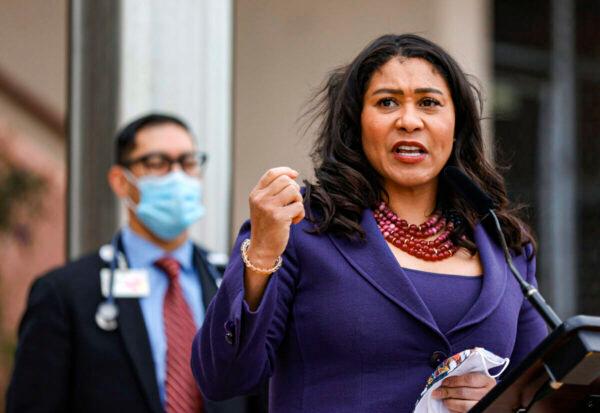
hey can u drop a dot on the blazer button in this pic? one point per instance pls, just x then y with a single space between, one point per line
229 330
436 358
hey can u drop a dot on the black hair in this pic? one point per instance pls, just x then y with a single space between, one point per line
346 183
125 138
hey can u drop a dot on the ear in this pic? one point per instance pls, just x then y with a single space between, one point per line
118 181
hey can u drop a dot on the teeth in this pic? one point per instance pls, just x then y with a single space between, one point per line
409 149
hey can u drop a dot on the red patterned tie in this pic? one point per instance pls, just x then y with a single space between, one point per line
182 395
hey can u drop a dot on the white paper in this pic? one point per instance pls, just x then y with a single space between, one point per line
477 360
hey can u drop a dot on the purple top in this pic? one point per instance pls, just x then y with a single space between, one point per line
448 297
341 329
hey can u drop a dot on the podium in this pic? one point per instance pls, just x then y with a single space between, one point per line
562 374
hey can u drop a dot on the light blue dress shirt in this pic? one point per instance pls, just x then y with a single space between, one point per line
142 253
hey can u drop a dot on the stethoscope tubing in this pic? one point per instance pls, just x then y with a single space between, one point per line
107 312
110 298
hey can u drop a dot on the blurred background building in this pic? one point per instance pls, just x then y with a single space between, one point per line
33 142
243 72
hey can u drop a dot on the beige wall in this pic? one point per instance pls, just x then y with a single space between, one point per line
33 37
284 49
33 45
45 140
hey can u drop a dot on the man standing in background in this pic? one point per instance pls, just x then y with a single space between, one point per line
112 331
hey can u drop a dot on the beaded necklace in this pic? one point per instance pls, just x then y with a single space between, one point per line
412 239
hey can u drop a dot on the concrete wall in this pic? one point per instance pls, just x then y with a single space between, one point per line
283 50
176 57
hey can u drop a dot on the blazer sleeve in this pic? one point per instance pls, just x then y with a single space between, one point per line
531 328
234 352
40 380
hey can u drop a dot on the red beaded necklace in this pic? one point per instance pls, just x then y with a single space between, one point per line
412 239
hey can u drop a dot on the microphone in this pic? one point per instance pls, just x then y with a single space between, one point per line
484 205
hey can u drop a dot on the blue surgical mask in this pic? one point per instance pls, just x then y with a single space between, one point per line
169 204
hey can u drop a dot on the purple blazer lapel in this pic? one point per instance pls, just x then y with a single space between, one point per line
374 261
495 276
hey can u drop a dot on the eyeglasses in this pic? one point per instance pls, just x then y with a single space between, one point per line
158 163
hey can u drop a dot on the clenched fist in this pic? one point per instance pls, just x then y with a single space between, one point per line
275 204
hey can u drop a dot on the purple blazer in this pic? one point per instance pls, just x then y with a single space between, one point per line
341 328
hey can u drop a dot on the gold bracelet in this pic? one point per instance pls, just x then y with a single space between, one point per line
248 264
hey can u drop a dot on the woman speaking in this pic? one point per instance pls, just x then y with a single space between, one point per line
349 294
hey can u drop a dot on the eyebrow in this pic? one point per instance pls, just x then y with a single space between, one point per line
163 154
421 90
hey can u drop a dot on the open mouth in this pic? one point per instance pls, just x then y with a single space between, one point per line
409 150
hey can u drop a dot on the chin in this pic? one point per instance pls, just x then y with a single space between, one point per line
408 180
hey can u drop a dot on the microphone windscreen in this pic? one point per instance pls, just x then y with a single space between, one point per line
465 186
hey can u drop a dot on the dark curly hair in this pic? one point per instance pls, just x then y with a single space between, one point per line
346 184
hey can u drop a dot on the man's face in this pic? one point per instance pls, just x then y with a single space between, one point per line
157 144
159 150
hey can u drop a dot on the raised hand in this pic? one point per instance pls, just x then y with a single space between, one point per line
275 204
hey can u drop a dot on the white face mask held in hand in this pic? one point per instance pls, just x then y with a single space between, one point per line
477 360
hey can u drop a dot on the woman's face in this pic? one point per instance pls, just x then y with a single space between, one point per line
407 124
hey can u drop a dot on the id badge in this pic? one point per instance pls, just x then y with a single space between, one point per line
131 283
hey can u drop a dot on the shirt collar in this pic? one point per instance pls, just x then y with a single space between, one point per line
142 253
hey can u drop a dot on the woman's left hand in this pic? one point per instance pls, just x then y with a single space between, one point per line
460 393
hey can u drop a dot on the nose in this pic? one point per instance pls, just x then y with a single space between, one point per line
409 119
176 167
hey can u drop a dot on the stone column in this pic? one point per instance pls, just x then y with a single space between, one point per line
94 39
132 57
